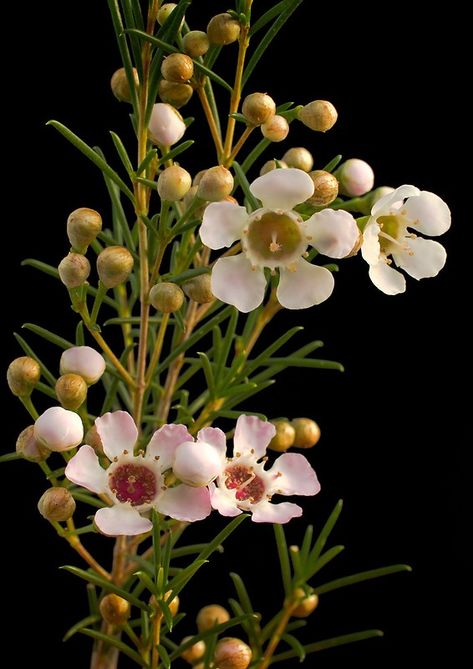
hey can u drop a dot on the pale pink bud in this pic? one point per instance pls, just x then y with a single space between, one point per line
59 429
197 463
166 126
355 177
84 361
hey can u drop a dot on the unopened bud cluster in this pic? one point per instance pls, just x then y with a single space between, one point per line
298 433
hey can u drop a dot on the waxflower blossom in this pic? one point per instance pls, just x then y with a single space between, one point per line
135 483
58 429
84 361
166 125
276 237
245 485
386 237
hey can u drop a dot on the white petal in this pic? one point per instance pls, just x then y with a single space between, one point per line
84 361
121 519
215 437
185 503
118 433
370 248
283 189
305 286
427 260
252 434
267 512
293 475
387 279
334 233
164 442
234 281
222 224
166 125
223 503
84 469
59 429
386 203
429 214
197 463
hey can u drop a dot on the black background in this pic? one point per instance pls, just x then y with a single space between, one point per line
391 446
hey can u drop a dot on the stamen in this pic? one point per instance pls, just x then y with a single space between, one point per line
403 245
247 482
274 247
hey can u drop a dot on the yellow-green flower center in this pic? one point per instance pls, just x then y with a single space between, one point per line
273 239
392 234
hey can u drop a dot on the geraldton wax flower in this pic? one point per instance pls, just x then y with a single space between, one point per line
276 237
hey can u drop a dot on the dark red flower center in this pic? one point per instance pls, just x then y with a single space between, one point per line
248 486
133 483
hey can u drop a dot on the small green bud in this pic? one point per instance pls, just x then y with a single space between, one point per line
300 158
71 391
120 86
258 108
276 129
325 188
74 270
307 432
173 183
211 615
177 67
308 604
175 94
22 375
114 609
215 184
83 226
271 165
223 29
114 265
232 653
195 652
198 289
166 297
165 12
57 504
195 43
284 437
318 115
29 448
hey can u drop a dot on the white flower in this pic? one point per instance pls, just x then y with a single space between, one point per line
166 126
386 237
135 483
246 486
276 237
59 429
84 361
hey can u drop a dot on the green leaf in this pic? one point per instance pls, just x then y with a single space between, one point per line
295 556
360 577
93 156
245 186
296 646
267 17
332 164
208 371
156 534
164 656
120 222
226 345
283 558
9 457
251 625
122 153
314 567
86 499
116 643
272 348
89 620
179 581
326 531
49 336
329 643
188 274
79 338
147 582
106 585
46 390
176 151
312 363
29 351
123 47
234 415
307 543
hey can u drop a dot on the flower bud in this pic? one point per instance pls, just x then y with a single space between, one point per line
166 297
198 289
177 67
211 615
173 183
194 652
325 188
188 200
83 226
198 177
196 464
57 504
84 361
308 604
223 29
165 12
174 94
258 108
307 432
120 86
29 448
284 437
71 391
195 43
271 165
356 177
300 158
166 126
22 375
370 199
276 129
74 270
114 265
59 429
318 115
215 184
174 605
114 609
232 653
92 438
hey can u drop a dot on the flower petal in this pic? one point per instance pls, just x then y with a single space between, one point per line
305 286
84 469
370 248
334 233
283 189
121 519
234 281
252 435
222 224
386 203
387 279
118 433
293 475
427 259
185 503
267 512
223 503
429 214
215 437
164 442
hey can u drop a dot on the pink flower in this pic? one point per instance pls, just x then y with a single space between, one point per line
245 485
135 483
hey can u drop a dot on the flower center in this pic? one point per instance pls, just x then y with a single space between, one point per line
273 238
133 483
247 484
393 234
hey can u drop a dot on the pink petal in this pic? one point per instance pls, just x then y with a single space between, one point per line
84 469
185 503
223 503
293 475
117 432
266 512
333 233
215 437
236 282
252 434
121 519
164 442
222 224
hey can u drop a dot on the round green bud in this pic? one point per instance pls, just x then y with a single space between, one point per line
166 297
300 158
177 67
232 653
114 609
83 226
258 108
307 605
57 504
284 437
318 115
276 129
29 448
165 12
211 615
74 270
195 43
173 183
120 86
22 375
71 391
307 432
175 94
325 188
114 265
198 289
271 165
215 184
195 652
223 29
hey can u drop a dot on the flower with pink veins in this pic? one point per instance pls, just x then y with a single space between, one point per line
135 483
245 485
275 236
